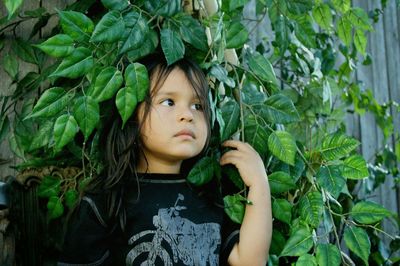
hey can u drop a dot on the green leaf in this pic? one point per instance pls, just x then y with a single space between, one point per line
42 136
137 78
65 130
135 33
283 146
262 68
342 5
193 32
172 46
126 102
165 8
355 167
4 127
222 75
52 101
77 64
115 4
282 34
87 114
306 260
230 112
336 146
107 83
233 4
311 206
25 51
12 6
279 109
299 7
109 29
78 26
322 15
367 212
360 41
344 30
359 18
49 186
328 255
11 65
282 210
54 207
330 178
71 198
236 35
357 241
255 134
60 45
202 172
234 207
299 243
280 182
149 45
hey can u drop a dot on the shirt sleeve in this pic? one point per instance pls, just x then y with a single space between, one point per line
86 239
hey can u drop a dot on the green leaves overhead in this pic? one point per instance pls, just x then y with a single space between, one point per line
279 109
76 64
136 32
126 102
357 241
86 112
52 101
109 29
78 26
172 46
193 32
107 83
322 15
65 130
136 77
60 45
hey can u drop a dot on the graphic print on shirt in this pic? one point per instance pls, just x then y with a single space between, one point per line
192 244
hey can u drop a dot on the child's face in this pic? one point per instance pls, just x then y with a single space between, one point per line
176 128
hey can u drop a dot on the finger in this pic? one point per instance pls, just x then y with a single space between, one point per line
234 144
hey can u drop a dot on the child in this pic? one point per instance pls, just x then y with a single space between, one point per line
141 211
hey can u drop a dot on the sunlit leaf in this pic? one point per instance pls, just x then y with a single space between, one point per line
328 255
136 77
360 41
107 83
280 182
12 6
367 212
299 243
331 179
283 146
344 30
311 207
279 109
342 5
262 68
126 102
357 241
255 134
322 15
76 64
236 35
52 101
230 112
77 25
355 167
336 146
306 260
234 206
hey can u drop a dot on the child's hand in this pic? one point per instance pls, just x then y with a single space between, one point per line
247 161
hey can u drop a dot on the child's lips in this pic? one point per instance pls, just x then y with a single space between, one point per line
185 132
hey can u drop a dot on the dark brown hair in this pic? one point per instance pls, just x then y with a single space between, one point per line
122 146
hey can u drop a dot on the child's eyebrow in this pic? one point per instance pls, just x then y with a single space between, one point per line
174 93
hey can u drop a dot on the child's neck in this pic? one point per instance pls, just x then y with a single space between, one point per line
158 167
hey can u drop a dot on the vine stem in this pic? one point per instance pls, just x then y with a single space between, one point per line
335 232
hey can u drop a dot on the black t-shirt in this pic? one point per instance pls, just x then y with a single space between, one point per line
170 224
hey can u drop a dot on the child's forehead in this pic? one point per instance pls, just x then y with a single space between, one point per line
174 82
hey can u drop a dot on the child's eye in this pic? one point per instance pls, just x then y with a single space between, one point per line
197 106
168 102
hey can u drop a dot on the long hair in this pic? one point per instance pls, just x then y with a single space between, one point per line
123 146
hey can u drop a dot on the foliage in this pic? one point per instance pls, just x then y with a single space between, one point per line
285 96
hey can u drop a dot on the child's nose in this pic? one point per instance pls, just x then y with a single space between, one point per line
185 114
